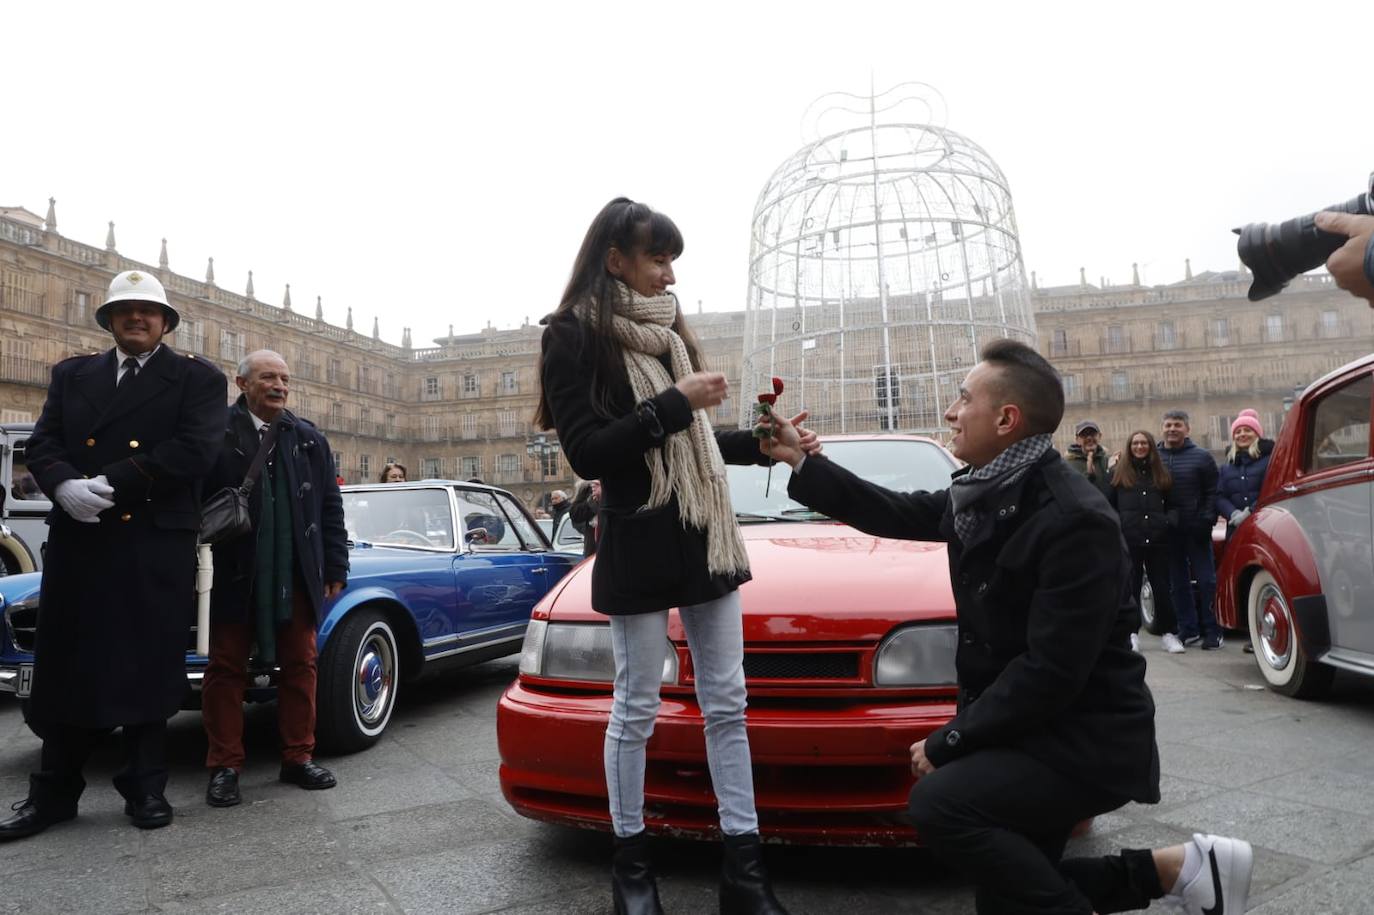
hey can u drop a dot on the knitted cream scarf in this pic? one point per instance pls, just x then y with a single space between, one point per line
689 464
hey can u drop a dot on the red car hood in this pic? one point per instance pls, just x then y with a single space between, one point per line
816 581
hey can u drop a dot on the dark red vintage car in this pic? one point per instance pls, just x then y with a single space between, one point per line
849 657
1299 572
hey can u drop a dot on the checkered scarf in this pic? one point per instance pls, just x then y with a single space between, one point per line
968 491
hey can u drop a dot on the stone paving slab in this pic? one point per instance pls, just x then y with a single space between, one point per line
418 823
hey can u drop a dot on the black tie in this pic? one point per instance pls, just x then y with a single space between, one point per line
130 370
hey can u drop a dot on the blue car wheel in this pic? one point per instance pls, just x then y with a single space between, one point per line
359 674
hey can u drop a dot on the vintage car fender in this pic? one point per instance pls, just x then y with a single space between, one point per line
1272 540
351 599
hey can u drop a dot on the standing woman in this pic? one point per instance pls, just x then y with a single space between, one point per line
1140 495
1240 479
623 384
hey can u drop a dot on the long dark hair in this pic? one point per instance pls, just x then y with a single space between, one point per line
1124 476
630 228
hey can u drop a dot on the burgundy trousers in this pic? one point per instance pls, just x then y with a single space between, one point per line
226 679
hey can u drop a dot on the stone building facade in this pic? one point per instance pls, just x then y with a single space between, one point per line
463 407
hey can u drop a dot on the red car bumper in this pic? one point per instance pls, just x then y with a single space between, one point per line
830 773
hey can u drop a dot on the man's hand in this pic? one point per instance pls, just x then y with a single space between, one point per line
332 589
789 442
1347 264
920 765
85 499
704 389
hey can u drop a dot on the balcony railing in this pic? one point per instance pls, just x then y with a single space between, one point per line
25 371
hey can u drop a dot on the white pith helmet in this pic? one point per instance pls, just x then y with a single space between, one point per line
136 286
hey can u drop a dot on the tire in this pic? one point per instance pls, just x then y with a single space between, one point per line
14 558
1278 650
1148 621
359 674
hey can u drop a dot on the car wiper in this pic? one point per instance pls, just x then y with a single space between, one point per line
755 516
810 513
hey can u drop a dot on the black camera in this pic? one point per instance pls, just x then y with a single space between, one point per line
1277 253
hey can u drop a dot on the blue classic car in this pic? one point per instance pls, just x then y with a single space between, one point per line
442 574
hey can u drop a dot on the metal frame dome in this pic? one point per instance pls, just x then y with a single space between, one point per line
883 255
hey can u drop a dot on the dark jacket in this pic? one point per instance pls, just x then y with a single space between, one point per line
1240 479
1045 614
1147 512
1195 486
319 539
118 597
1095 470
581 514
645 560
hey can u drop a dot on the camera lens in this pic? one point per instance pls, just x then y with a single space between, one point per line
1277 253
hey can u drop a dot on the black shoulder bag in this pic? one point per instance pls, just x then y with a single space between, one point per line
224 515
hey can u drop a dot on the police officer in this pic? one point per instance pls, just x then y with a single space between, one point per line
121 448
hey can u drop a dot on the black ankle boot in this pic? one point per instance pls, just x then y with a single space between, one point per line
744 886
632 877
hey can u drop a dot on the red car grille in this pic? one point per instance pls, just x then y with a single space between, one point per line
780 665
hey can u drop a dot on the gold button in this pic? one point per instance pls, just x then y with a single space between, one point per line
133 444
126 517
90 443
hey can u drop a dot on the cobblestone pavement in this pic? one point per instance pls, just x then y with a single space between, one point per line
418 824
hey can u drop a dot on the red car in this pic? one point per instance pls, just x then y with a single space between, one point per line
1299 572
849 657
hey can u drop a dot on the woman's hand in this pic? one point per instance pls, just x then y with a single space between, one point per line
704 389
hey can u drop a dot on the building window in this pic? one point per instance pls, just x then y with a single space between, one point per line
1273 328
230 346
338 463
362 378
431 389
550 461
1059 342
429 428
336 415
1116 338
469 425
81 308
507 464
364 466
390 427
470 386
508 383
389 386
1330 326
191 336
1121 386
510 422
1221 331
472 467
332 372
431 468
1167 337
1072 389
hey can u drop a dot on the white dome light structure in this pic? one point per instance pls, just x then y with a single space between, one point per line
883 255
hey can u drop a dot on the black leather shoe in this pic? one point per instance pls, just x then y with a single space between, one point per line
632 877
30 818
744 886
223 790
309 775
151 812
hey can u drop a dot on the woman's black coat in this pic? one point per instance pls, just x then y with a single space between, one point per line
320 540
645 561
1045 613
1147 512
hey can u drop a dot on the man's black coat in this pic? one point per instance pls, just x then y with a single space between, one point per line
1045 615
320 541
118 597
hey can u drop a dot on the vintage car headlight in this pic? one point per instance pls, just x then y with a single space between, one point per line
577 651
917 656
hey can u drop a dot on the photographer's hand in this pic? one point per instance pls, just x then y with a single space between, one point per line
1352 266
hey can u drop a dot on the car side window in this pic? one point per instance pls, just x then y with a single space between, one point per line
479 511
1339 426
523 527
22 484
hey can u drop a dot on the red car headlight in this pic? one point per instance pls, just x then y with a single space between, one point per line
578 651
917 656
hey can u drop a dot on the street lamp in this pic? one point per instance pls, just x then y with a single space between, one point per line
540 446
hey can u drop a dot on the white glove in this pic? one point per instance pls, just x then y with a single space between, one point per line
85 499
1238 516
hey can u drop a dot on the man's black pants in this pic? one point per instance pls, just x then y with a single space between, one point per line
67 748
1002 818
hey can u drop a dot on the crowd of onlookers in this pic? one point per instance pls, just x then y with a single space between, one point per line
1169 494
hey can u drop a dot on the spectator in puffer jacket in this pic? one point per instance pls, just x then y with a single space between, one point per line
1190 549
1087 457
1247 461
1140 494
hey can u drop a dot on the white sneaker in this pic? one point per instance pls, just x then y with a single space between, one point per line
1223 884
1135 641
1170 643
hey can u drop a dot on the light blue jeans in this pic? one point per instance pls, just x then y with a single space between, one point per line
715 636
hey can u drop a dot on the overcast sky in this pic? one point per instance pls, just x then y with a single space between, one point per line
437 164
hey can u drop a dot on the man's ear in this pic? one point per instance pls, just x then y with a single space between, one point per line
241 382
1010 420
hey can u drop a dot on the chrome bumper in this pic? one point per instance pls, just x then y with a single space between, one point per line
9 680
